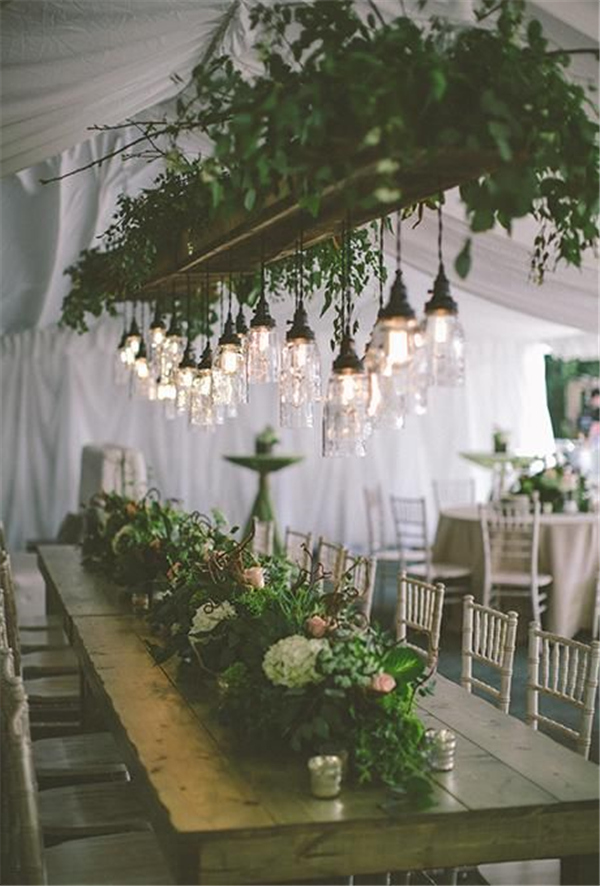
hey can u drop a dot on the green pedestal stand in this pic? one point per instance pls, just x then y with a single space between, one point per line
264 464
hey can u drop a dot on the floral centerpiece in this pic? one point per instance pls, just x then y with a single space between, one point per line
132 542
295 669
556 486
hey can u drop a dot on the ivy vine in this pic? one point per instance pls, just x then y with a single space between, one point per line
336 92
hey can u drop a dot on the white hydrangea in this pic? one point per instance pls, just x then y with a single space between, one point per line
292 661
209 615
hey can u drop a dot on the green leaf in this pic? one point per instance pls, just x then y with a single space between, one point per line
250 199
462 262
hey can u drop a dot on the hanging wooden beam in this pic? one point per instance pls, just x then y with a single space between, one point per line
237 244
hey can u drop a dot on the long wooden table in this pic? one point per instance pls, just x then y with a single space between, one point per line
228 817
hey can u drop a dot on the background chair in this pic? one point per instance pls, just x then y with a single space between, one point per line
410 522
511 537
451 493
360 572
419 609
566 671
489 638
376 532
263 538
329 563
298 548
123 858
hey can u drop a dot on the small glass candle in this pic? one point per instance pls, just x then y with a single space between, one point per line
441 745
140 602
325 776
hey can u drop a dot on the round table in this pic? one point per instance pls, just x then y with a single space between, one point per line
568 552
500 463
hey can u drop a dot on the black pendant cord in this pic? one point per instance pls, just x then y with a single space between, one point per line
440 231
206 303
344 283
230 287
188 307
301 257
381 229
398 241
348 276
221 306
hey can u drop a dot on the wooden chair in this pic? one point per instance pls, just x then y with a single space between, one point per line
419 609
488 637
596 613
359 573
376 534
121 858
410 522
329 563
511 537
452 493
566 671
263 538
298 548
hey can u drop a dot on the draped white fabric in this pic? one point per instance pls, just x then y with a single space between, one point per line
57 389
79 64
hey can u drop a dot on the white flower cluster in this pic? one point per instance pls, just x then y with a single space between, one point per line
292 661
209 615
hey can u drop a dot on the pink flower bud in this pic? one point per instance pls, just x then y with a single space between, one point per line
317 626
383 683
254 576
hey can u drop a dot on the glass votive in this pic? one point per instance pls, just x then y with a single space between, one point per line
441 745
140 602
325 776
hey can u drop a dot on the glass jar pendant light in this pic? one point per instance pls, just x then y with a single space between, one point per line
184 379
229 369
241 328
121 360
300 374
202 410
133 340
263 352
444 337
345 410
156 334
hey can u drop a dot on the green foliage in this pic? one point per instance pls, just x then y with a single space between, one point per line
334 94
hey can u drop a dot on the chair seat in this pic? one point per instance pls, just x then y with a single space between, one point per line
49 662
440 572
78 756
47 638
391 554
56 690
518 579
89 810
127 859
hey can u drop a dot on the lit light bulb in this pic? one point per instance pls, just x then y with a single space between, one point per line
229 370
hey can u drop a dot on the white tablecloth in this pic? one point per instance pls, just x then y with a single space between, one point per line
568 552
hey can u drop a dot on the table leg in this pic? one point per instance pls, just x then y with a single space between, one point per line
580 870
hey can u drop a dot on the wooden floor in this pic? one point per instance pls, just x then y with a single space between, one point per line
30 600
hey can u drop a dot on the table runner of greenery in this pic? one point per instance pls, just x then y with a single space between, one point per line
295 666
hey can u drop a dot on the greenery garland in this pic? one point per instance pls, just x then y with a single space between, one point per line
335 93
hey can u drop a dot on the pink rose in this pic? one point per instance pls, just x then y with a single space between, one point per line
254 576
317 626
383 683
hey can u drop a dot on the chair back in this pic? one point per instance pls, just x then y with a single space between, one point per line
567 671
511 537
329 563
410 525
488 637
419 609
10 610
450 493
596 614
359 573
2 537
24 855
298 548
375 518
263 538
